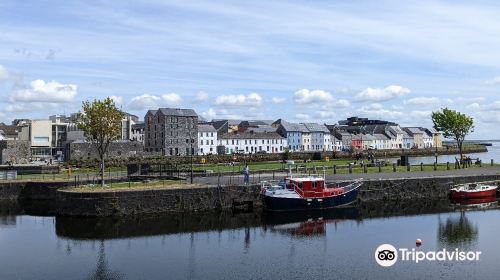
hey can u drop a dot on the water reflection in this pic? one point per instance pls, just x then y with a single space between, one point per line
457 232
102 270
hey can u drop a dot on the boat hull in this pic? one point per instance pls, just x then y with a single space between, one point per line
472 195
296 204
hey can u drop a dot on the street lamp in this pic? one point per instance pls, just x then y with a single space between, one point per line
191 151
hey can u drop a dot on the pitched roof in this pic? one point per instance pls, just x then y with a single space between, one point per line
250 135
294 127
206 128
413 130
316 127
178 112
262 128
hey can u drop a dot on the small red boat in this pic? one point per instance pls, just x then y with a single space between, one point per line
473 190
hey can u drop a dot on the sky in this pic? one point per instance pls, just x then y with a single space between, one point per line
303 61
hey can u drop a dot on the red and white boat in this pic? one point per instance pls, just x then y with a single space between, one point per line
473 190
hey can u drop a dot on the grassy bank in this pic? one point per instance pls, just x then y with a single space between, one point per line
153 184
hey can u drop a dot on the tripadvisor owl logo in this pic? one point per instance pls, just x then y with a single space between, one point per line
386 255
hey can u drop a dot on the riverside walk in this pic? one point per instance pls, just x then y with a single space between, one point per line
256 178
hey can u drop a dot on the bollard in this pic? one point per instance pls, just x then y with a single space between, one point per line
480 163
408 167
365 168
447 165
394 167
315 170
334 169
492 163
379 168
435 166
350 168
421 166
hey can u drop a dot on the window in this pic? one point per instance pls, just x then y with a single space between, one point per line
40 139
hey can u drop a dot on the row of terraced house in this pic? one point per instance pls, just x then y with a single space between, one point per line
172 131
175 131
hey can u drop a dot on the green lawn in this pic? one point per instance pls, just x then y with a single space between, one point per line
267 165
130 185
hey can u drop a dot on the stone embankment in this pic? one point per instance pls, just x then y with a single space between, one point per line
125 202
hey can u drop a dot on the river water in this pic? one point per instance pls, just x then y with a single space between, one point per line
493 153
337 244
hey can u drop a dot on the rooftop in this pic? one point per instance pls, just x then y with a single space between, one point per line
251 135
206 128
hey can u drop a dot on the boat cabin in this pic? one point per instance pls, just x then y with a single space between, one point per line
312 187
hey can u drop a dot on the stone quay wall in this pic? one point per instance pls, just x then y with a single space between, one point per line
77 151
151 201
417 188
209 198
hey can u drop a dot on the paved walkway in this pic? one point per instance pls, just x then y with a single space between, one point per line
254 178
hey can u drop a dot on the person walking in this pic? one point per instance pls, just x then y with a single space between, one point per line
246 174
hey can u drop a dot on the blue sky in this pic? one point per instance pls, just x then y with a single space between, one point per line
299 60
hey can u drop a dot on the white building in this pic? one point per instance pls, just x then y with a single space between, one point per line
250 143
427 138
320 137
138 132
293 133
337 144
207 139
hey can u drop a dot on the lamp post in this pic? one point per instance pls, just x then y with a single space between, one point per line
191 151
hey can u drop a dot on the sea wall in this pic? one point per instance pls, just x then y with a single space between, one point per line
416 188
397 192
150 201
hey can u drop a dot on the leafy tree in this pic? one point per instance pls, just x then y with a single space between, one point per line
454 125
101 124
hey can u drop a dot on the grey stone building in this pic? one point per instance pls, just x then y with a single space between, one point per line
120 149
171 131
15 151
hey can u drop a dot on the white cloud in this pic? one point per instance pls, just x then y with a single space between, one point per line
381 94
468 100
209 114
144 102
305 96
423 101
201 96
252 99
4 74
40 91
301 116
377 112
278 100
342 103
149 101
171 99
473 106
30 107
495 106
494 81
117 99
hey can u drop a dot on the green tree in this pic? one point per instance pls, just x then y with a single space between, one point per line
101 124
454 125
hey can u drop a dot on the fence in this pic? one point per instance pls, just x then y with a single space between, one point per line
8 175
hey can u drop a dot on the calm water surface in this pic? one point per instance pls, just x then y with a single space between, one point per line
493 153
326 245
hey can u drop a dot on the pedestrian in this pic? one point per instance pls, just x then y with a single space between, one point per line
246 174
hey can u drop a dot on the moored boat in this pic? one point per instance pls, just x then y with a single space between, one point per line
473 190
307 192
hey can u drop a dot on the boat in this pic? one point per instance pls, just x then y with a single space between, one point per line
473 190
307 192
